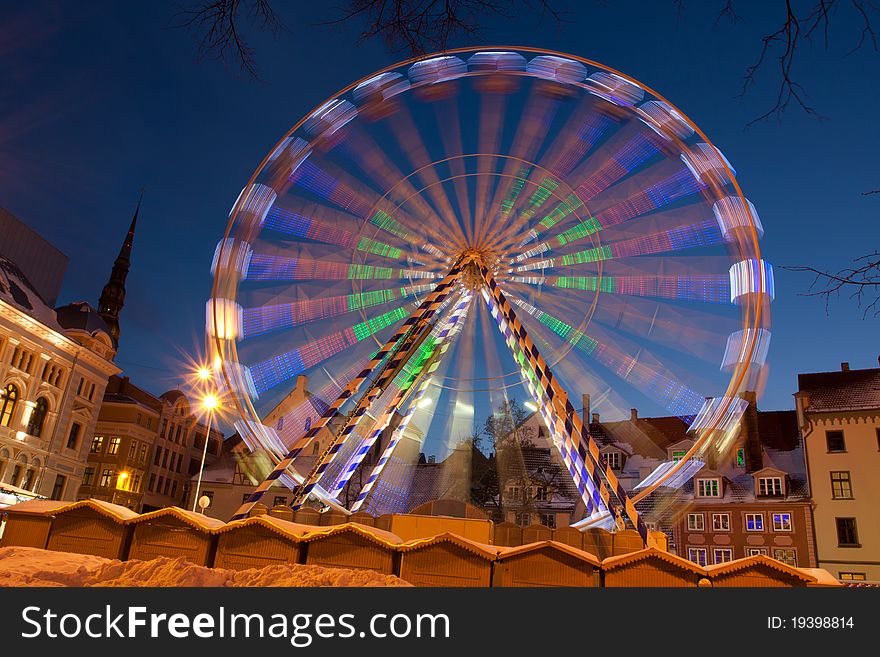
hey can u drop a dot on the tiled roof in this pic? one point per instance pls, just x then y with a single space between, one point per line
844 390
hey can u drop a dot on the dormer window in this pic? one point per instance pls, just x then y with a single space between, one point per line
709 487
770 487
613 460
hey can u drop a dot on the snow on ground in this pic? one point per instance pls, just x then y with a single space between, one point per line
23 566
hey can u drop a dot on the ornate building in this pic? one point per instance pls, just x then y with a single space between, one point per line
54 366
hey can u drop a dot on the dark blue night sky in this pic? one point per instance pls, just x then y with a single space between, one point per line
99 99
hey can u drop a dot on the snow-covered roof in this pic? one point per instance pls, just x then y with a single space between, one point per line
380 536
286 528
648 553
482 549
17 291
198 520
759 560
583 555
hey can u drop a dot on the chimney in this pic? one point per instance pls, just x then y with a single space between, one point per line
844 367
302 383
585 405
595 418
633 414
749 438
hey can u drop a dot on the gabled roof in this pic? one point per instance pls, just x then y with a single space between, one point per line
378 536
197 520
280 526
482 549
583 555
760 559
841 391
36 507
648 553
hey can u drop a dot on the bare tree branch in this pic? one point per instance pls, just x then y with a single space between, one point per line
861 280
219 22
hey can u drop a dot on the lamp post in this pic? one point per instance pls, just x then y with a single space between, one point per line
209 404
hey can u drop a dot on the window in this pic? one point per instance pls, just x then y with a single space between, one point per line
177 433
741 457
16 473
136 483
513 492
786 555
73 436
158 457
541 494
245 497
754 522
179 461
38 418
91 391
835 442
28 479
97 444
159 485
132 450
152 482
722 555
770 486
113 445
782 522
756 552
847 536
8 400
88 475
678 455
106 476
280 500
708 488
852 577
167 484
173 488
613 460
548 520
79 388
58 488
697 555
199 441
841 486
139 418
143 455
523 519
315 447
165 458
721 522
695 522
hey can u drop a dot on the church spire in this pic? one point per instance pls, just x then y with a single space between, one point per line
113 295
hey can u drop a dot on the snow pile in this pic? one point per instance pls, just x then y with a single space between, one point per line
22 566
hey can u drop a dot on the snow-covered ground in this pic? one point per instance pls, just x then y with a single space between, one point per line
22 566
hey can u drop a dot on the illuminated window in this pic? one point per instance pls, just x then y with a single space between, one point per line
708 487
722 555
741 457
113 445
756 552
847 535
97 444
8 400
835 441
678 455
106 476
841 486
136 483
754 522
770 487
782 522
697 555
280 500
696 522
88 475
721 522
786 555
852 577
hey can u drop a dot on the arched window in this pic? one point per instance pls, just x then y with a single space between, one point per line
315 447
38 417
8 400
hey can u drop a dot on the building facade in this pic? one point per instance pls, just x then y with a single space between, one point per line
839 418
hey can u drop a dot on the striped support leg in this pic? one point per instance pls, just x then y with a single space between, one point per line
442 342
427 307
592 491
386 375
576 434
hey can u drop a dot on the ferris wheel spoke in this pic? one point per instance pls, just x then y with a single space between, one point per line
265 267
448 118
705 233
707 288
260 320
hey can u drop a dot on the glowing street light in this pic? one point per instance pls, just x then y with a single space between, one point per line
209 404
203 373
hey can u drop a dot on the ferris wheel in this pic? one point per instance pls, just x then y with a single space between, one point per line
482 224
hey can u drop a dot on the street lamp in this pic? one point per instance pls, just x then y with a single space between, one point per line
209 404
